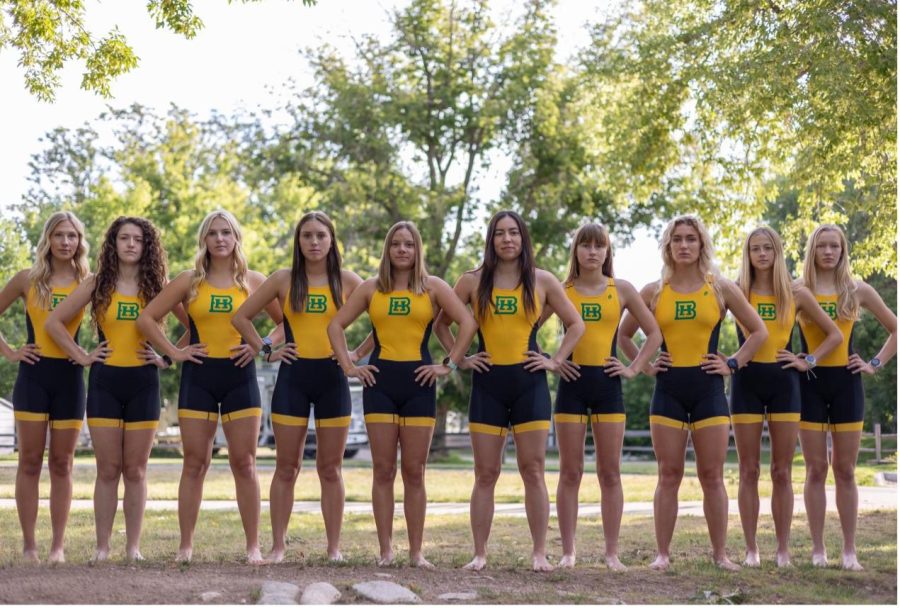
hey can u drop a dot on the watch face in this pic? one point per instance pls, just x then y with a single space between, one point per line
875 362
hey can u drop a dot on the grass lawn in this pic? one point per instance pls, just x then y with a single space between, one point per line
219 542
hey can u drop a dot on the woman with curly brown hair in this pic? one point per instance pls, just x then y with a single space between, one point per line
123 388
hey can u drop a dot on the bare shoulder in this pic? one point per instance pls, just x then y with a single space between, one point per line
433 283
649 289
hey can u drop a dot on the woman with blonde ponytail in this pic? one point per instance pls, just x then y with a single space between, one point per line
689 302
832 397
218 375
768 388
49 390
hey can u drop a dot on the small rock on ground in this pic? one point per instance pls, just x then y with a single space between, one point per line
384 575
386 592
274 592
320 593
465 596
208 596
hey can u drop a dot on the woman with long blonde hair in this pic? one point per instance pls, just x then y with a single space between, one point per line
832 397
768 388
218 375
49 390
689 302
399 379
590 387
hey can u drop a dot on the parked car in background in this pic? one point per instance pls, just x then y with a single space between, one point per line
7 427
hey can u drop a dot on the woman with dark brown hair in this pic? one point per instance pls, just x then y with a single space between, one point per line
507 293
123 403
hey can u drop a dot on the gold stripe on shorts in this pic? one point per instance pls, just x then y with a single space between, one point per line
142 425
573 418
290 420
488 429
32 416
707 422
608 418
105 423
747 418
382 418
245 413
416 421
328 423
669 422
534 425
198 415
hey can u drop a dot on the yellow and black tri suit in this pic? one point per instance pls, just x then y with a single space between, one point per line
123 391
401 323
508 394
314 377
831 396
217 384
762 389
685 396
53 388
594 389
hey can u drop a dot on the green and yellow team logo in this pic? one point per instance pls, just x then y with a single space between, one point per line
590 312
399 306
55 299
219 303
685 310
128 311
767 312
506 305
830 308
316 303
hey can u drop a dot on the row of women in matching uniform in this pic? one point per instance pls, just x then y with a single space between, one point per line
505 300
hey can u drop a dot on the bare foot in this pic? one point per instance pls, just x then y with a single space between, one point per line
420 562
751 560
783 560
134 555
727 564
335 557
386 559
567 561
477 564
31 555
849 562
57 556
100 555
613 563
661 563
275 556
819 560
254 557
184 554
539 563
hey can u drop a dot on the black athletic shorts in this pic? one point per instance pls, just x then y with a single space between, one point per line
594 391
125 397
765 390
831 398
305 382
218 386
509 395
51 389
689 398
396 397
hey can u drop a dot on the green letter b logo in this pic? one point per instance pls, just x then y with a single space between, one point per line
220 303
685 310
590 312
398 306
316 303
830 308
767 312
506 305
55 299
127 311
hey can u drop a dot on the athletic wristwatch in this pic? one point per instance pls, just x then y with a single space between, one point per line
266 349
448 362
875 362
732 364
167 359
810 361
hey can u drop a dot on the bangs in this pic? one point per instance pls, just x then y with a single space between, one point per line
592 233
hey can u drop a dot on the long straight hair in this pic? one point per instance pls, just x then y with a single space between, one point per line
491 260
590 233
705 262
848 303
39 275
781 279
239 267
299 280
419 274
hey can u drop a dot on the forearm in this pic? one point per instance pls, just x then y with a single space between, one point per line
640 358
248 332
154 334
57 331
339 346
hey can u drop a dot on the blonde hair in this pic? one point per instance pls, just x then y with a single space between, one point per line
848 304
706 263
781 279
590 233
201 260
39 275
385 282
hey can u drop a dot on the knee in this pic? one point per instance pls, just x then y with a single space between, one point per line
486 477
844 473
609 478
329 473
243 465
816 472
134 473
288 471
750 471
60 465
109 471
384 473
571 475
30 466
413 474
195 467
532 472
670 476
711 477
781 474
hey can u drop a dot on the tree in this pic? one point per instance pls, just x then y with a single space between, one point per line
48 34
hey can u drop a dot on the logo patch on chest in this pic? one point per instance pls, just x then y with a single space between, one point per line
219 303
55 299
830 308
590 312
767 312
685 310
316 303
399 306
127 311
506 305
